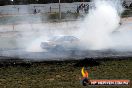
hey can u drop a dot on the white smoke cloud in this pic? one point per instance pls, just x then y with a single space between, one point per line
99 30
98 25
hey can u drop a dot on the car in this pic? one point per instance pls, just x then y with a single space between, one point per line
60 43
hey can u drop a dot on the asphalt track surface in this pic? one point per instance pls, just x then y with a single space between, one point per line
62 55
6 53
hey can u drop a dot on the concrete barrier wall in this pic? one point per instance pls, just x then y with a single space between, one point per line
43 26
38 26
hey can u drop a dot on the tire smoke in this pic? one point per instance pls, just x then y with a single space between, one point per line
101 28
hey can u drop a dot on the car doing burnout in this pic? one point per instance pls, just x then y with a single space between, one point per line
61 43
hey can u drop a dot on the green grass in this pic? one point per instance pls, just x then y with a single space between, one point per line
65 74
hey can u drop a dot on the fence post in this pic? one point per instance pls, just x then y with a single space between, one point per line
59 10
13 27
50 9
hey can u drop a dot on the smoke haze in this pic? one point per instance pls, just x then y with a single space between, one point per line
99 30
99 24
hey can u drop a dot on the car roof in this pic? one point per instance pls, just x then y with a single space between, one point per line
63 38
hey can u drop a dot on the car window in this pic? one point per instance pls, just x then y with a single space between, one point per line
67 38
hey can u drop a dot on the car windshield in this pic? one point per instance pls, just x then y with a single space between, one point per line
63 38
67 38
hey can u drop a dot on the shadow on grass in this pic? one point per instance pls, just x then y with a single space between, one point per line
7 61
87 62
97 61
